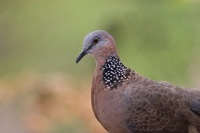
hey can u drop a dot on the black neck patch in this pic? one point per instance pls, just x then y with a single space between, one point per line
114 72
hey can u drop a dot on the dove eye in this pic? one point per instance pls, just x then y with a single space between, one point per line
95 40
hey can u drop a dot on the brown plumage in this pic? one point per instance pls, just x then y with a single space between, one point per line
123 101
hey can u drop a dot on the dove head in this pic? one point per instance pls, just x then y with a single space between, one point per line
100 44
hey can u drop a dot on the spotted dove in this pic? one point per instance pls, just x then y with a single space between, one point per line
124 101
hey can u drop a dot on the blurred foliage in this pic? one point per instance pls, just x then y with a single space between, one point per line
160 39
42 35
157 38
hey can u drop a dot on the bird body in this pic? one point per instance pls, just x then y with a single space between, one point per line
124 101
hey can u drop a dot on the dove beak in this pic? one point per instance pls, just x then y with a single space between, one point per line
81 55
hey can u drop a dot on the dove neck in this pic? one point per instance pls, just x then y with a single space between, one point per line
113 72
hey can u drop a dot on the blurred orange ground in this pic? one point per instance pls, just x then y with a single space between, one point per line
40 103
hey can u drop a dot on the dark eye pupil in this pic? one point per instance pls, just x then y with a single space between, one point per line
96 40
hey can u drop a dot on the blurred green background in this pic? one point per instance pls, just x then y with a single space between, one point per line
40 40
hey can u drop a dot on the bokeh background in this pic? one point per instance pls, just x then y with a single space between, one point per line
42 90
